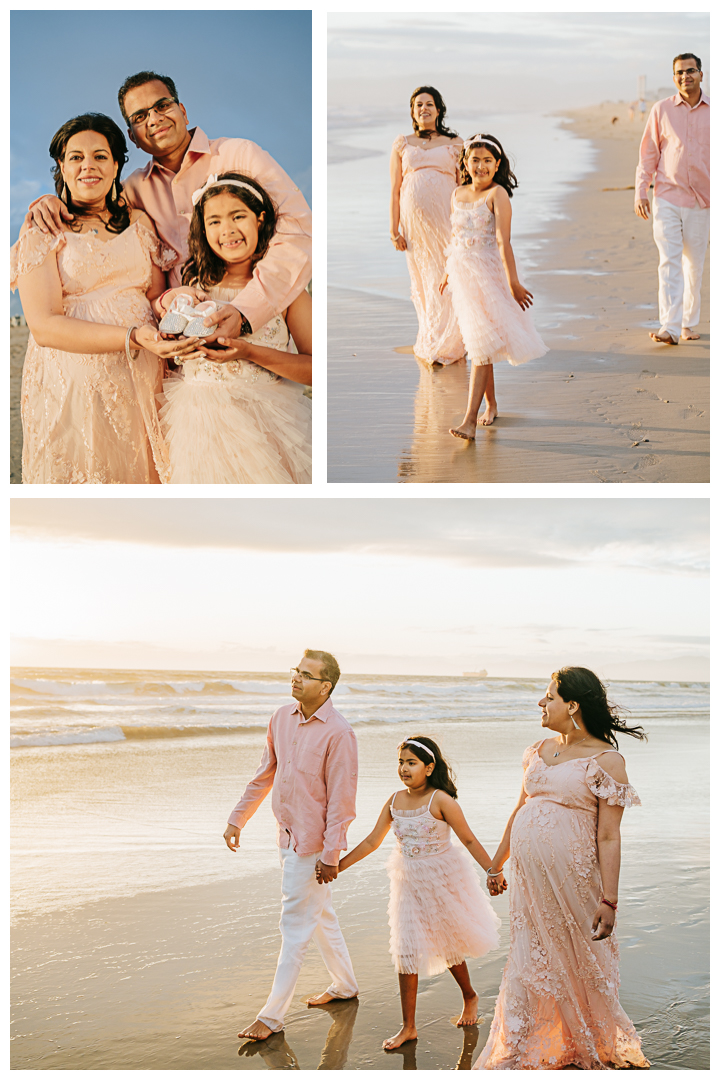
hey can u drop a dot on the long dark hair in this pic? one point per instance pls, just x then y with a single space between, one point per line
505 177
103 125
442 776
601 718
204 266
441 108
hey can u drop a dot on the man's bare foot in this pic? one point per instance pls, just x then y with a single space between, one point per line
257 1031
488 416
665 338
469 1014
405 1034
689 335
323 999
465 431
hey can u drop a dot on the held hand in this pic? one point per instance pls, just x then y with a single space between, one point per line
642 208
231 836
324 873
399 242
497 885
185 290
227 320
521 294
443 284
234 349
147 337
48 215
603 922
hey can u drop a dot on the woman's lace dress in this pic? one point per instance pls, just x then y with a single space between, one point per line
558 1003
494 327
429 179
438 912
91 418
237 422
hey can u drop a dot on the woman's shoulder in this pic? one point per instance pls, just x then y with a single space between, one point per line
400 143
139 217
610 761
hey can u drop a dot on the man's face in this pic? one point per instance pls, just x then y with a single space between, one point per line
156 131
687 76
306 683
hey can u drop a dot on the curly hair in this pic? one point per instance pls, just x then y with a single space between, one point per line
103 125
203 265
441 108
505 177
601 718
442 776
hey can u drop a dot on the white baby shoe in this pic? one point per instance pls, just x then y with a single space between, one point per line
186 317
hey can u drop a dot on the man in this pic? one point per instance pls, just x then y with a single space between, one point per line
675 149
182 161
310 762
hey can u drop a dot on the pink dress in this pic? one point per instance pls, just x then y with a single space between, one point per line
438 912
494 326
90 418
558 1003
429 179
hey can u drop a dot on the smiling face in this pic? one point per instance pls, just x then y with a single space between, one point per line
687 77
231 229
425 112
412 771
556 713
157 124
88 168
482 166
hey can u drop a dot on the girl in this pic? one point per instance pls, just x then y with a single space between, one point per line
238 413
483 279
438 915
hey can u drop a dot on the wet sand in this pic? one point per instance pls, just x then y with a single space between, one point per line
18 347
605 405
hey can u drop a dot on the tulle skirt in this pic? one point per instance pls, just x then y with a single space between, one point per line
438 913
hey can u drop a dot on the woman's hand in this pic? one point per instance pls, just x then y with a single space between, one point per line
147 337
443 284
235 349
521 294
497 884
603 922
399 242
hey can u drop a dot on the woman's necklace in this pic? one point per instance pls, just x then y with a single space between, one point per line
562 751
96 217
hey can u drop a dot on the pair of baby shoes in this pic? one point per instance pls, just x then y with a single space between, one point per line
185 317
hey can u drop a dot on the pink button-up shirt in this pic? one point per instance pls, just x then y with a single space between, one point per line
166 197
675 149
311 766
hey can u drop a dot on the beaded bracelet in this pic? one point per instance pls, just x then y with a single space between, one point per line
493 873
609 903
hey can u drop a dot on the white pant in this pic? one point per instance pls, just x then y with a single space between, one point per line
681 234
307 913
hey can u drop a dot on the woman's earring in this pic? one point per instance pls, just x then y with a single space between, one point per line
113 193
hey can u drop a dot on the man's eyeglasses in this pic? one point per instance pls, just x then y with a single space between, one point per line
687 71
160 107
306 675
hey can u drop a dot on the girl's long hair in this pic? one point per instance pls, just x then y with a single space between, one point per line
441 108
203 265
442 776
103 125
601 718
505 177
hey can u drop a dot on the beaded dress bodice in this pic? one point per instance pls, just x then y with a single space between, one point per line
418 833
473 224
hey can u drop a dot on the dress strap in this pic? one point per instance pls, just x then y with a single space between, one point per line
392 804
431 799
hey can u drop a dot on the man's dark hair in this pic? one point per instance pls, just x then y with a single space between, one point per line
687 56
140 79
330 668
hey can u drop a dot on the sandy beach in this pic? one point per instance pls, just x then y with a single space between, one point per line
605 405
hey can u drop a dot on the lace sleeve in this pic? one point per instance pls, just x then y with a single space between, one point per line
31 251
603 786
529 753
399 144
164 257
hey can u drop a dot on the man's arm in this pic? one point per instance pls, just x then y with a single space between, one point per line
341 769
254 793
648 163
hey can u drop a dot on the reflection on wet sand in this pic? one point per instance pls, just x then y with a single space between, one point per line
277 1053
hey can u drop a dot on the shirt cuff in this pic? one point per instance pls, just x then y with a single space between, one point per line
330 858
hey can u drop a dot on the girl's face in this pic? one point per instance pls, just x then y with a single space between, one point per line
88 167
482 167
556 712
412 771
231 228
425 111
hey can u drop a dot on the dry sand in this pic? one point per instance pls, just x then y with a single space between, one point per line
605 405
18 347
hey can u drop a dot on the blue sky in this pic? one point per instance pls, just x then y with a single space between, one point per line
245 74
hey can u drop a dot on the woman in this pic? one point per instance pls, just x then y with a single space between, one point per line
88 397
558 1003
423 172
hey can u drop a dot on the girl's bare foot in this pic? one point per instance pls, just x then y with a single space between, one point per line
465 431
689 335
469 1014
405 1034
488 416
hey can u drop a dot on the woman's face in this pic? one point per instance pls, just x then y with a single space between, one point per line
412 771
425 112
481 166
88 168
555 711
231 228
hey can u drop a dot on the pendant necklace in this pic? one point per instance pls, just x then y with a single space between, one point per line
559 752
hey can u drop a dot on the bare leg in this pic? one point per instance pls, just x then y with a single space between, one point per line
461 975
408 1000
490 403
478 381
257 1030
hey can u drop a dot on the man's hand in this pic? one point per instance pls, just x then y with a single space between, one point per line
228 321
48 215
642 208
231 836
324 873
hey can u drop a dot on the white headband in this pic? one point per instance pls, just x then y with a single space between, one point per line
212 181
478 138
414 742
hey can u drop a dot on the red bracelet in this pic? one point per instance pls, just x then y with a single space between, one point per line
161 298
609 904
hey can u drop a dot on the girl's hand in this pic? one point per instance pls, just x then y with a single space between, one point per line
147 337
235 349
169 296
603 922
443 284
521 294
399 242
497 885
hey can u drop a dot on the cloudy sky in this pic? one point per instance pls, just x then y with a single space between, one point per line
440 586
515 61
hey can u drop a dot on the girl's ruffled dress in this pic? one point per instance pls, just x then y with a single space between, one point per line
438 913
493 325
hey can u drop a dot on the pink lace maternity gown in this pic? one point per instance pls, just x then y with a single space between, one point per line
558 1003
429 179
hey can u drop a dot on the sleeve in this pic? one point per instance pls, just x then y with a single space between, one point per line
164 257
258 787
603 786
286 268
341 769
31 251
529 753
649 155
399 144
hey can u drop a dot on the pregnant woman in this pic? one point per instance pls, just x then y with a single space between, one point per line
424 174
558 1004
